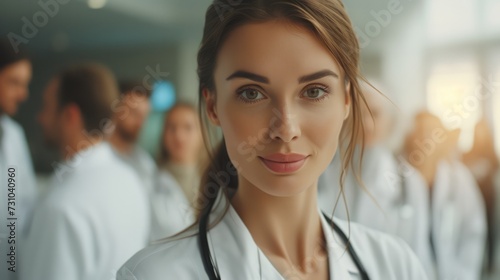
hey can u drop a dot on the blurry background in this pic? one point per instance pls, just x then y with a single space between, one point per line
443 55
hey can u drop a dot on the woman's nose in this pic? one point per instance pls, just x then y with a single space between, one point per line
284 125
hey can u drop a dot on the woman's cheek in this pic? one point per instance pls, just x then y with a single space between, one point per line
325 129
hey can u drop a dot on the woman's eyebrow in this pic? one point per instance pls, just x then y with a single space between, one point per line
317 75
248 75
262 79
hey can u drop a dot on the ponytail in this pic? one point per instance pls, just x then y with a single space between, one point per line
220 175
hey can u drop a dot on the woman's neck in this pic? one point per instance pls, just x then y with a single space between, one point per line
287 229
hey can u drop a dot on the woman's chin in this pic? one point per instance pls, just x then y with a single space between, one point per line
284 187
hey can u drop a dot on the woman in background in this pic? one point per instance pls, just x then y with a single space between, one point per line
179 172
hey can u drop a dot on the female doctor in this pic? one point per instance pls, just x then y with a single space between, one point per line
280 80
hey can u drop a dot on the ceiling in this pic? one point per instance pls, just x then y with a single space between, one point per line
129 22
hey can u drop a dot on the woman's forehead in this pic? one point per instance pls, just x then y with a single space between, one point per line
273 47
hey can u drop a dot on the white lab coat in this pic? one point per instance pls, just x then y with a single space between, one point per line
238 257
94 218
14 152
394 200
144 165
458 223
171 210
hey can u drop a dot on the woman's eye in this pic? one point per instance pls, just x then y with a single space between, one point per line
250 95
315 93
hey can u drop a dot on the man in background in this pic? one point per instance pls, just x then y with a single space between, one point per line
130 113
96 214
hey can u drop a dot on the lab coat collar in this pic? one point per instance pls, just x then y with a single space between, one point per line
252 262
86 158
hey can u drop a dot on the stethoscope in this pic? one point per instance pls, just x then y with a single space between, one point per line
213 272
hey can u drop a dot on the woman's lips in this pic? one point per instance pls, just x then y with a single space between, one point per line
284 163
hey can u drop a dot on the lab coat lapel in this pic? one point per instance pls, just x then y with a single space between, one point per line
232 246
237 256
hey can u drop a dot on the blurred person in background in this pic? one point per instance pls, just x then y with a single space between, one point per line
482 161
388 195
130 114
457 211
96 214
15 76
180 168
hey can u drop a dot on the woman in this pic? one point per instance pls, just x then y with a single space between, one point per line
279 78
179 173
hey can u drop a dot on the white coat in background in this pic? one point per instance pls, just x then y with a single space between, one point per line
171 210
394 200
238 257
94 218
458 223
144 165
14 152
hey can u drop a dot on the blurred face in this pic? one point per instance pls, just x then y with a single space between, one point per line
182 137
14 81
281 101
430 137
129 125
377 125
50 115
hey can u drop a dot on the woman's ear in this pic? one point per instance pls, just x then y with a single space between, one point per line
210 106
347 100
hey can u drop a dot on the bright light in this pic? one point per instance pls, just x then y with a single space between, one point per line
96 4
163 96
453 94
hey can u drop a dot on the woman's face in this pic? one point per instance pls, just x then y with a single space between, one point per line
182 136
280 100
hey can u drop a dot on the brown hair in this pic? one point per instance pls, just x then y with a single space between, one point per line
91 87
133 87
328 20
10 55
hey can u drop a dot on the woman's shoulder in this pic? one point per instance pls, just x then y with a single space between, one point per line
381 253
178 258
